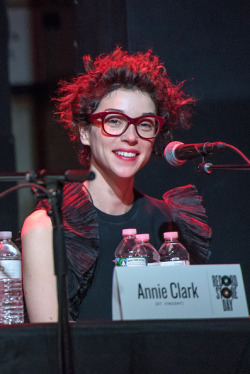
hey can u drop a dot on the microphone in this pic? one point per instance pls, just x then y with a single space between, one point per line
177 153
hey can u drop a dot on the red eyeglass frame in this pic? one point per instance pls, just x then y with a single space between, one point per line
101 115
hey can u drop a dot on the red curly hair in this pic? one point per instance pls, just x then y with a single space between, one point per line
143 71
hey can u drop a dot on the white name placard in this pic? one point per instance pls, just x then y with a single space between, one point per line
178 292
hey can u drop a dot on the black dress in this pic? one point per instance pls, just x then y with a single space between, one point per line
92 236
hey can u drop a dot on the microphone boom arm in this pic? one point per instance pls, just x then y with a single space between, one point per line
208 168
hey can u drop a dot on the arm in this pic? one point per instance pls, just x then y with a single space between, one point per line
39 280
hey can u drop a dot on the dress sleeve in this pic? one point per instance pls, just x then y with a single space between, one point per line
81 235
190 220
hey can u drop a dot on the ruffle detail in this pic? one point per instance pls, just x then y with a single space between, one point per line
81 235
190 220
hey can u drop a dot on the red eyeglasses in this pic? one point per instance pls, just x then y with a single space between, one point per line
116 123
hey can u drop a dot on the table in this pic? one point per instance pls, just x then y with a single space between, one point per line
152 347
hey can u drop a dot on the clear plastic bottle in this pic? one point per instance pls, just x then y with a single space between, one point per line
11 294
153 257
172 252
126 253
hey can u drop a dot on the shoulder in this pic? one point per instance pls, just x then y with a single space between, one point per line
151 205
38 221
72 193
189 216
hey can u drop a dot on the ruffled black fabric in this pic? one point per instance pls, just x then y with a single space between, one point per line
190 220
81 241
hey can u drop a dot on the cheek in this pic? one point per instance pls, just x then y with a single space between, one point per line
149 147
147 151
98 142
94 138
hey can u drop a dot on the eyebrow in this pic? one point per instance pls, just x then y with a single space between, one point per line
122 111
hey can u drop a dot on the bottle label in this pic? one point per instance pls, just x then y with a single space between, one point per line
175 263
10 269
131 261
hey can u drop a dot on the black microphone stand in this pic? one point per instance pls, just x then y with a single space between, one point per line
53 192
208 167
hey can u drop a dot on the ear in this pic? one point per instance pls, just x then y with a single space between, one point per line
84 135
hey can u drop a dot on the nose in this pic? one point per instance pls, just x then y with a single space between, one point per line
130 134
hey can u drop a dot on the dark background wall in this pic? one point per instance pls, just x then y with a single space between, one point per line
7 152
205 43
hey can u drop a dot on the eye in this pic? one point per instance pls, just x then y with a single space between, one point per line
115 121
147 125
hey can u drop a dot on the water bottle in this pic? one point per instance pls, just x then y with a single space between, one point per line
126 254
153 257
172 252
11 294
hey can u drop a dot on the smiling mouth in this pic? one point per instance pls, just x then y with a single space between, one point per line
125 154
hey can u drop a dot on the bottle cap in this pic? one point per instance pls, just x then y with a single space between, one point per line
142 237
5 234
129 232
170 235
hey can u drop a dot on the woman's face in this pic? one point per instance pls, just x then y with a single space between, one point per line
124 155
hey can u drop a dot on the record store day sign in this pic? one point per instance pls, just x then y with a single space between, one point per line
178 292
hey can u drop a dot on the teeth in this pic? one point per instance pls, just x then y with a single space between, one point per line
125 154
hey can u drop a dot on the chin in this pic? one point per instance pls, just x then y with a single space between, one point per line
125 173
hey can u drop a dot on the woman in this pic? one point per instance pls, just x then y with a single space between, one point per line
120 110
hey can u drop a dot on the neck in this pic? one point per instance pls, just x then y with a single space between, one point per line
111 196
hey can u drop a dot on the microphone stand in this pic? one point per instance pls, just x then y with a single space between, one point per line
208 168
53 192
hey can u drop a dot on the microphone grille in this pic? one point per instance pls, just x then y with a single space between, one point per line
169 154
